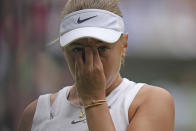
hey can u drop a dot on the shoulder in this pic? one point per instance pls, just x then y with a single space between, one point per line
28 114
154 94
159 100
153 104
152 97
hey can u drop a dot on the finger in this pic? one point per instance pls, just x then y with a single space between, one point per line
79 59
88 57
78 63
76 70
96 57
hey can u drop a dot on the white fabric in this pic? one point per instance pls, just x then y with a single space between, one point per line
62 113
94 23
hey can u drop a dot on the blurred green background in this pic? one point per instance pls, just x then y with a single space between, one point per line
162 52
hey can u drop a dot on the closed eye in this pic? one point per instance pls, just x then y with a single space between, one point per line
77 49
103 48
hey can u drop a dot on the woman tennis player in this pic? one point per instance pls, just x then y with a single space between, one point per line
94 44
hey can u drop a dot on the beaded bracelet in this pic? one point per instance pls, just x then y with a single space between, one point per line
95 103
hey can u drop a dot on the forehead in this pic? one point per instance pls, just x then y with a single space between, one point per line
89 41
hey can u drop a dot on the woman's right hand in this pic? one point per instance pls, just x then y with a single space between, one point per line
89 75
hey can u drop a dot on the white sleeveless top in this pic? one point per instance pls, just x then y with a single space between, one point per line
60 116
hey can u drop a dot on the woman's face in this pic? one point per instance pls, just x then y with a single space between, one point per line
110 55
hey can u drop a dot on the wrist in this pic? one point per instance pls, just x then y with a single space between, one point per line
95 103
89 100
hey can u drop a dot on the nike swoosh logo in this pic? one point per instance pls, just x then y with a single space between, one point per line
75 122
81 21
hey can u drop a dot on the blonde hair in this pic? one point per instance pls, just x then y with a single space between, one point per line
75 5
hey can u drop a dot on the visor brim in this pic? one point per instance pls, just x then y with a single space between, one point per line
102 34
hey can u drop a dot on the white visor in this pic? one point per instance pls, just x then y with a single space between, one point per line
91 23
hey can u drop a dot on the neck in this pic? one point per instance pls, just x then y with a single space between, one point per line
113 84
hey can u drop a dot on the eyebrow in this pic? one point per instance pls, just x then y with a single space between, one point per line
84 44
76 43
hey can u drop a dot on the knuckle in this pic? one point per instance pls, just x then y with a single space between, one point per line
98 68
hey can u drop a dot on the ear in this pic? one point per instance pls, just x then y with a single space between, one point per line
124 44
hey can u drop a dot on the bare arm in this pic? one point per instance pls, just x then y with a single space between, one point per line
27 117
155 112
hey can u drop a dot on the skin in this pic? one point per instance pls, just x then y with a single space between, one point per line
95 67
